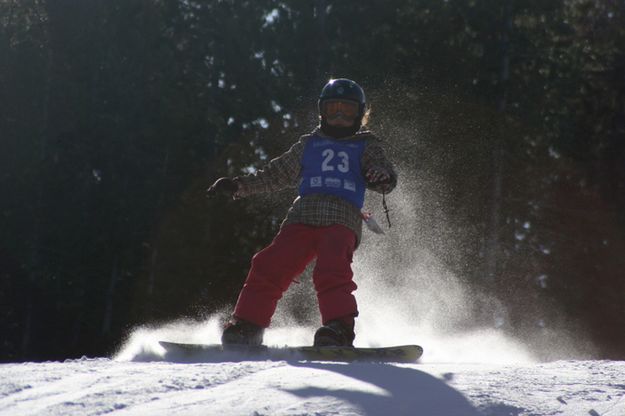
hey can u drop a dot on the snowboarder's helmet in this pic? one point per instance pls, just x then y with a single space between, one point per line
343 89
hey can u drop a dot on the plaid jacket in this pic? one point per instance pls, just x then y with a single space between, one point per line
317 209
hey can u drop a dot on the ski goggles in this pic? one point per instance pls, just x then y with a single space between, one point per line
332 108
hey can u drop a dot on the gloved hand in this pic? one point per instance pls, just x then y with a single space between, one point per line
377 176
223 186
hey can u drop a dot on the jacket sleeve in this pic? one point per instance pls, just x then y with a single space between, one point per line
374 157
281 172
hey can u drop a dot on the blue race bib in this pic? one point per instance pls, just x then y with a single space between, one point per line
332 167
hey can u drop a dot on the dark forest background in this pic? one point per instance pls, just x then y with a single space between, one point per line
116 115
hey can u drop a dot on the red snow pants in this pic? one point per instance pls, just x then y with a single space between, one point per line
276 266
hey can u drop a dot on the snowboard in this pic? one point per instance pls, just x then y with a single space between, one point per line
394 354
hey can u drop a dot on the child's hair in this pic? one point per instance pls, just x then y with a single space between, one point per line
365 117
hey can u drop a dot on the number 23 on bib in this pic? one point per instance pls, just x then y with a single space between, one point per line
332 167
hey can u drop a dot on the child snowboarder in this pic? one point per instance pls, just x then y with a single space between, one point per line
333 165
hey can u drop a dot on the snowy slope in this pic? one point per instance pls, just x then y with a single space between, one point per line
479 372
473 374
89 387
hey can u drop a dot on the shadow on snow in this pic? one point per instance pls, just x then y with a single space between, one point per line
409 391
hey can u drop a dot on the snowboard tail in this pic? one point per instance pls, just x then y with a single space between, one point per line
398 354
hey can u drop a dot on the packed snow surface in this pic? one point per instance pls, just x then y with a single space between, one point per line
97 386
147 384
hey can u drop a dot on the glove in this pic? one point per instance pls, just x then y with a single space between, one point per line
377 176
223 186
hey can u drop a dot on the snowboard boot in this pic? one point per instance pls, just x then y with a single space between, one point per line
240 332
335 333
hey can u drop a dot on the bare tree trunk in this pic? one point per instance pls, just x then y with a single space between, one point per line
498 315
35 262
27 325
155 253
497 155
152 279
320 14
110 296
